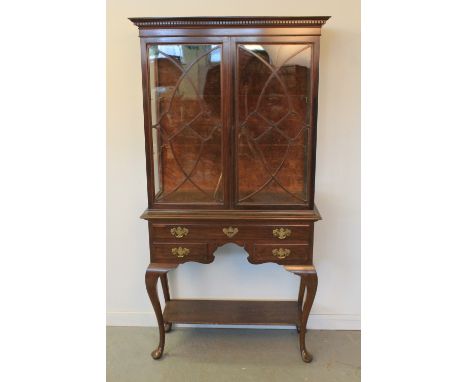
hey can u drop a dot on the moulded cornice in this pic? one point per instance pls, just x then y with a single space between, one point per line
181 22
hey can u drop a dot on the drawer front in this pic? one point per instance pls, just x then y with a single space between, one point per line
281 253
186 232
226 232
177 252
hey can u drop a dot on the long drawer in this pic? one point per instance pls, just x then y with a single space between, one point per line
225 232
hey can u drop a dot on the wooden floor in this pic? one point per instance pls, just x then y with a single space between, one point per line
232 355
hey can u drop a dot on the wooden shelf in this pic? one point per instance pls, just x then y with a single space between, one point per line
232 312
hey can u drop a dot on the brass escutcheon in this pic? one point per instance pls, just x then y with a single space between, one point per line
281 253
230 232
281 233
180 252
179 232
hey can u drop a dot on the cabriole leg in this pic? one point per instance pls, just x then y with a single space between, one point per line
153 273
308 286
167 297
300 299
310 281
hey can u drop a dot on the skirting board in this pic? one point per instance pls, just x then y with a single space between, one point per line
316 321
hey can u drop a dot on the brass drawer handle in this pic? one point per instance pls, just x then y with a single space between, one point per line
281 233
179 232
230 232
281 253
180 252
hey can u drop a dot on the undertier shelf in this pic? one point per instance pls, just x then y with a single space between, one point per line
230 312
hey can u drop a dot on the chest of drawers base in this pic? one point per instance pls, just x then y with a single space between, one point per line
180 242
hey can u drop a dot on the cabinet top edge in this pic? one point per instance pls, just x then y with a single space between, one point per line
312 215
232 21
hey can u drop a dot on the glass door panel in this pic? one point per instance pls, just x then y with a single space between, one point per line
273 123
186 121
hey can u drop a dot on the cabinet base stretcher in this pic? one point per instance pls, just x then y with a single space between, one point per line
225 312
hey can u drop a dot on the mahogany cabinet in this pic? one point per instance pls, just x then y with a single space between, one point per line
230 111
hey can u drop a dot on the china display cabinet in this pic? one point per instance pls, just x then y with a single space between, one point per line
230 115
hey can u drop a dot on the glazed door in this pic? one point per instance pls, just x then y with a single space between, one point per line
186 121
274 98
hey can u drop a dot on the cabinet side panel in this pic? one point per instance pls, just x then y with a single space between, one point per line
313 144
147 130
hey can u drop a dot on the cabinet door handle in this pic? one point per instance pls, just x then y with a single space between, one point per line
230 232
281 253
281 233
179 232
180 252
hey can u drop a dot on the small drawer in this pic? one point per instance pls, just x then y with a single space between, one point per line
282 254
179 252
